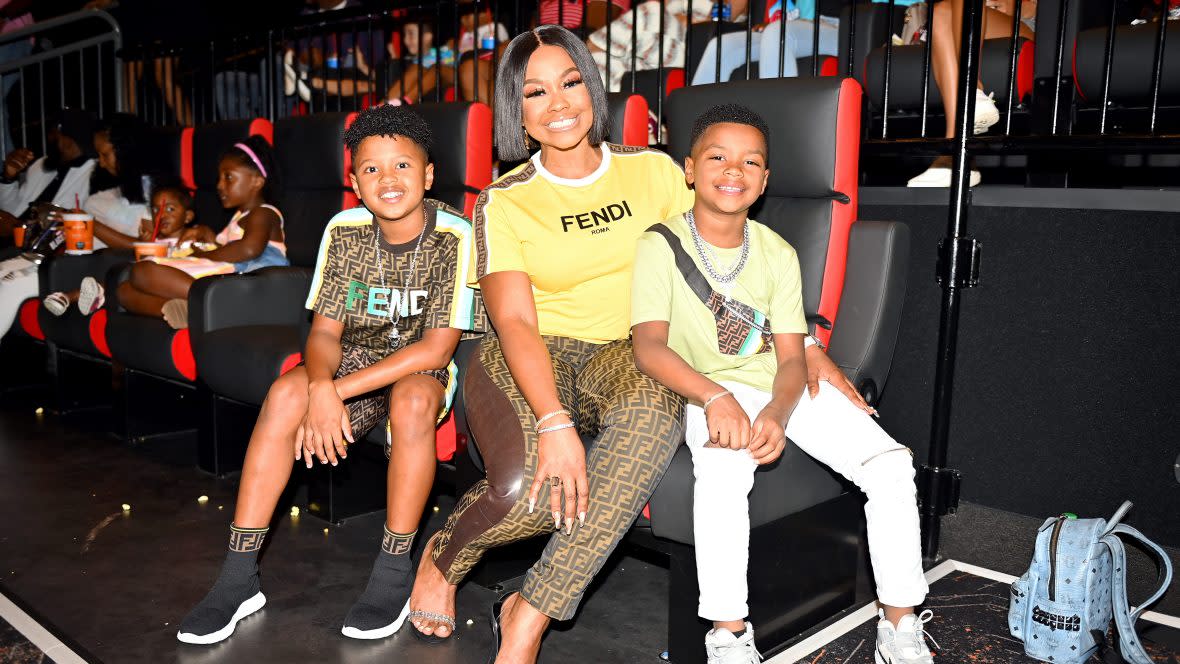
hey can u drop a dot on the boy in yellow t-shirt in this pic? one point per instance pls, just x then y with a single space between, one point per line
717 316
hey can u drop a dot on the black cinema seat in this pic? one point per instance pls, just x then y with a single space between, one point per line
248 329
147 346
1131 70
802 516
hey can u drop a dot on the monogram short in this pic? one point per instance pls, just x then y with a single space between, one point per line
368 410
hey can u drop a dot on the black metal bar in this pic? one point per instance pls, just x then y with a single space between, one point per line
357 54
98 69
1012 66
375 49
952 268
609 11
749 40
851 40
660 71
1062 15
61 82
24 116
336 42
814 42
718 9
634 52
782 39
560 13
459 47
610 43
478 44
688 68
438 63
41 100
1157 69
926 68
888 70
496 48
1107 60
271 74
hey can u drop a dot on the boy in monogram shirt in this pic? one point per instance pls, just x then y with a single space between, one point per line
390 302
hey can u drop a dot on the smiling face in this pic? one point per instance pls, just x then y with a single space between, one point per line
237 183
173 215
728 167
557 112
391 174
107 159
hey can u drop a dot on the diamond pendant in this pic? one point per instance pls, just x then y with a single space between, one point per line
393 334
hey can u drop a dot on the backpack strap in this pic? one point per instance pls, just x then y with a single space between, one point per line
697 282
1124 617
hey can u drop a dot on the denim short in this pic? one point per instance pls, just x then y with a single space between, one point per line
270 257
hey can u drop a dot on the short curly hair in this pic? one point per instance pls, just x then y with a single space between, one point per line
721 113
388 120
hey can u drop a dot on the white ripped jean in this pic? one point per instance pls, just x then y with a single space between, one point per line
836 433
764 49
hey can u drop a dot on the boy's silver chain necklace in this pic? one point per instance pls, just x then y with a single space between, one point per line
710 261
405 294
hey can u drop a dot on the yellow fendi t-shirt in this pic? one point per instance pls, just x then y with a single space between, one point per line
769 284
576 238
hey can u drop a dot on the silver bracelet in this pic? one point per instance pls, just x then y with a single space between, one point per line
540 420
715 397
555 427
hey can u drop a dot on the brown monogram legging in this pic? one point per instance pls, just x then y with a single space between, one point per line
638 426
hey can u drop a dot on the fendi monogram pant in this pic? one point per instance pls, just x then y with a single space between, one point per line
636 424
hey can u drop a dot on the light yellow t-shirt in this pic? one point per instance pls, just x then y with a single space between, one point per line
576 238
769 283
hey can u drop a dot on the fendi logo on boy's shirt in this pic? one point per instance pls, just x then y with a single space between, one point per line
593 220
380 301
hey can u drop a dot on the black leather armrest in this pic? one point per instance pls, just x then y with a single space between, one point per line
865 333
116 275
270 296
64 273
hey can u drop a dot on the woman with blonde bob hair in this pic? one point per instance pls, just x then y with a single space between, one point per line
554 248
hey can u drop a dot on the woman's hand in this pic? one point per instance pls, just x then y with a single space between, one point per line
729 426
562 460
324 427
821 367
768 436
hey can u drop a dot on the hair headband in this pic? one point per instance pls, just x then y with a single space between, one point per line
253 157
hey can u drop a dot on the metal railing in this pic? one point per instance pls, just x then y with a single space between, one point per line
47 76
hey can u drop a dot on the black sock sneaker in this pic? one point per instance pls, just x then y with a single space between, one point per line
235 595
384 605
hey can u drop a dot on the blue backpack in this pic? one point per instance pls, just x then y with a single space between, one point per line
1061 608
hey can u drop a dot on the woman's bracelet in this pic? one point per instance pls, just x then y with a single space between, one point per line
555 427
715 397
542 420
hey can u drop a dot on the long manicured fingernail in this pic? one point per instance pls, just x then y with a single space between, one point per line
582 518
557 520
569 525
532 504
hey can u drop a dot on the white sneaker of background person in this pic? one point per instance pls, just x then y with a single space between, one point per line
938 175
905 644
723 647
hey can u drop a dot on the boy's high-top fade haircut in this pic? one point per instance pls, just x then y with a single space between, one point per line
511 141
386 120
722 113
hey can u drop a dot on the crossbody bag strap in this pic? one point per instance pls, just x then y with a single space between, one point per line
688 269
1125 617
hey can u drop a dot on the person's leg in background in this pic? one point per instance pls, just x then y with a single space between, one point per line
733 55
798 42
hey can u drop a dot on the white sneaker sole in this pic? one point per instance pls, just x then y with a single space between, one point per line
246 608
380 632
88 294
986 114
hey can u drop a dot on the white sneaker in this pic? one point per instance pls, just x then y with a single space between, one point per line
986 113
723 647
907 643
91 296
937 176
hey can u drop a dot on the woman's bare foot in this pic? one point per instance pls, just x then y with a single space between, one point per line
522 627
432 595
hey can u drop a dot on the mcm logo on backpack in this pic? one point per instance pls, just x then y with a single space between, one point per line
1062 607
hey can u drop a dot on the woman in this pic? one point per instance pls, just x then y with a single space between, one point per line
555 241
118 210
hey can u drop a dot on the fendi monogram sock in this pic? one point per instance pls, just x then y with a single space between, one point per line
382 607
237 584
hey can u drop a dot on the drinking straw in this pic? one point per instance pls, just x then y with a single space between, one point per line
156 230
77 203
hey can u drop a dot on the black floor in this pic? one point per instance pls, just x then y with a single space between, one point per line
970 624
116 582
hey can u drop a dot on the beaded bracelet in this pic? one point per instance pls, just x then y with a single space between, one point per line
555 427
715 397
540 420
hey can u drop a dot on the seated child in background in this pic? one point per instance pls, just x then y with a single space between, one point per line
733 343
172 207
391 302
253 239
